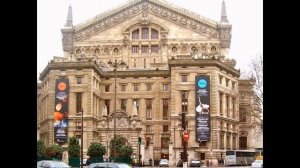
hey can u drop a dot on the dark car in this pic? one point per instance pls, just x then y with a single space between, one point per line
179 163
195 163
109 164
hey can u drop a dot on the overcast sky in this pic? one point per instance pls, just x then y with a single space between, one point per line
246 17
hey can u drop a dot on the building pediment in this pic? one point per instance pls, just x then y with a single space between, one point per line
158 8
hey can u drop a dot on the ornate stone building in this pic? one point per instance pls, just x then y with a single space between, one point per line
164 47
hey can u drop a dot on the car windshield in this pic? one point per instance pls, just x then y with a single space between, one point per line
58 164
104 165
258 161
123 166
195 161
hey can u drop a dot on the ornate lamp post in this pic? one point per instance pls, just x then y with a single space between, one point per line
115 64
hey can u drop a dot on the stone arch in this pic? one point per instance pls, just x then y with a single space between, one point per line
138 23
119 114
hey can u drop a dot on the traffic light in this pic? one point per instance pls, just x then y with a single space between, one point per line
140 140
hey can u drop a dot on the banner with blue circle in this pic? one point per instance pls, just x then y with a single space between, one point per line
202 107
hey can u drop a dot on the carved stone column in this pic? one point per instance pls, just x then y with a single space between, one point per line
151 151
171 161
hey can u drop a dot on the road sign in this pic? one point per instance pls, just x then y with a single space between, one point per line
186 135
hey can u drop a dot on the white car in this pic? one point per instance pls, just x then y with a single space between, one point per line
257 164
163 163
51 164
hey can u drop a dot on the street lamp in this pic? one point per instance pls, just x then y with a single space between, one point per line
81 155
115 64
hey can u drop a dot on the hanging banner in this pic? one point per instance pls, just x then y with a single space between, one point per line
61 110
202 107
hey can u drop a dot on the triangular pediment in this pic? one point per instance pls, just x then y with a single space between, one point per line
158 8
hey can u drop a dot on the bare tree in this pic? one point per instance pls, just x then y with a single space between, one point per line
254 78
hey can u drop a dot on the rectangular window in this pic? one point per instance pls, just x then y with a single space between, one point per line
106 88
144 49
123 87
164 142
243 142
135 34
154 34
220 79
220 103
123 104
202 156
154 49
243 115
148 109
234 143
79 80
222 141
233 128
107 103
165 128
78 102
183 78
78 125
227 106
184 101
136 87
135 49
165 109
148 128
233 85
144 63
233 108
145 33
149 86
165 87
227 82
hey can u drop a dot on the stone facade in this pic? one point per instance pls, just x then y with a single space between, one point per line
160 43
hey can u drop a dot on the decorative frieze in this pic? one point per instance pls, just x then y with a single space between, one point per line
165 11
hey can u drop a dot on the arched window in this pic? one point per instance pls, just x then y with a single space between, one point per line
154 34
135 34
145 33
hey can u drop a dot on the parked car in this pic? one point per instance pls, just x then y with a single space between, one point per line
163 163
179 163
109 164
52 164
257 164
195 163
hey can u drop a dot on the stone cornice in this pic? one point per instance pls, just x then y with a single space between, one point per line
104 74
204 62
140 73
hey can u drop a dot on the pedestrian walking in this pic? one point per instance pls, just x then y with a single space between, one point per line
150 162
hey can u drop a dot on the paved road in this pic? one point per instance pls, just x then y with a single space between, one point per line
189 167
202 166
